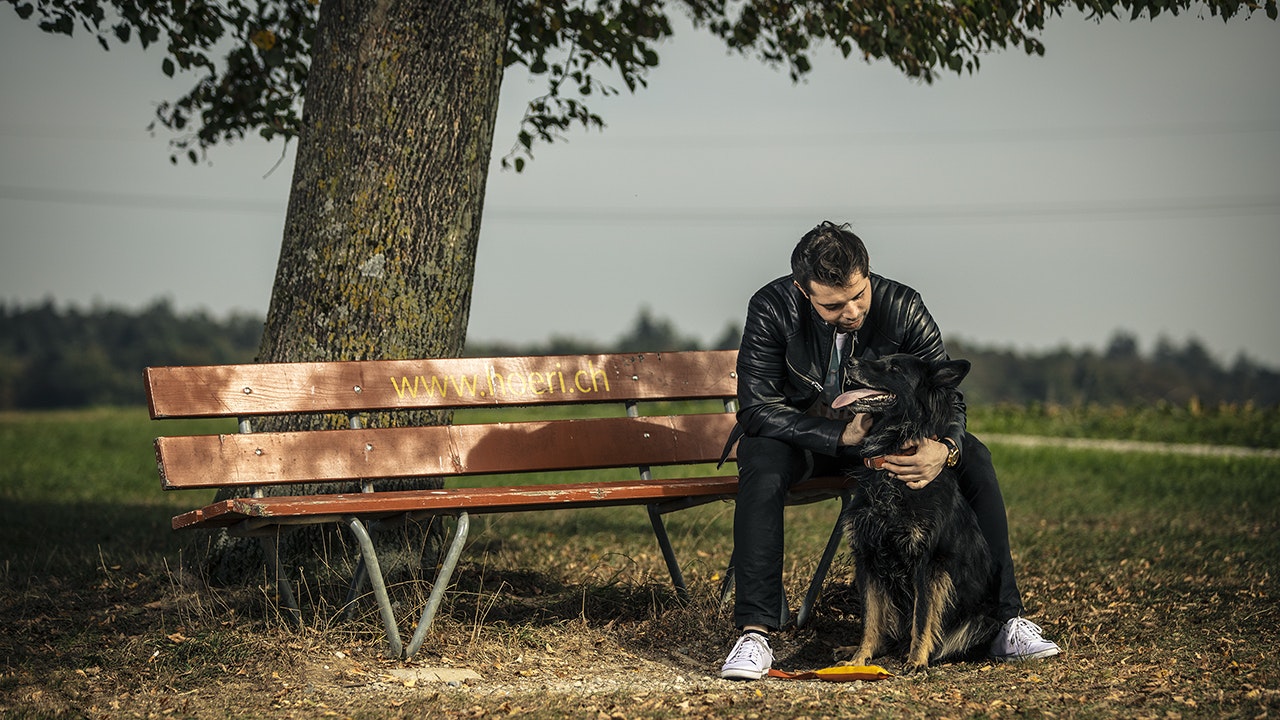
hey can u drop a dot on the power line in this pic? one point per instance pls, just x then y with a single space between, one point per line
949 135
1080 210
1154 208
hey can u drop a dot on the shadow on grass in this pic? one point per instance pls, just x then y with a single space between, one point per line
71 541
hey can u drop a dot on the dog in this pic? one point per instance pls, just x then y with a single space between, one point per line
922 567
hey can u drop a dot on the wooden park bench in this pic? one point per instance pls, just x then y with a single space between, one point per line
249 461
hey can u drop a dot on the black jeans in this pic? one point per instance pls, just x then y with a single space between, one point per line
767 468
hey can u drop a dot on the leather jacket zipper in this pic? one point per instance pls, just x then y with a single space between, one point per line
813 383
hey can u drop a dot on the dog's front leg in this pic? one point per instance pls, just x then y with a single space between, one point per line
934 593
876 612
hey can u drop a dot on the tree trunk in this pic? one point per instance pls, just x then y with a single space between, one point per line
379 247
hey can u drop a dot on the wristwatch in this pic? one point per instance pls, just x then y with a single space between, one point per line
953 452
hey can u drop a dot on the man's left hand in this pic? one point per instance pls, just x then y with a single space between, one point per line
920 468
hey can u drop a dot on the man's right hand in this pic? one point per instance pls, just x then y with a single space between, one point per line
856 431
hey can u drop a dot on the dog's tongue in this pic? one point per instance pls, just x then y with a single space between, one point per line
852 396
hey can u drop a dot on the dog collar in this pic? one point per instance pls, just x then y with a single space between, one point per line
877 462
953 455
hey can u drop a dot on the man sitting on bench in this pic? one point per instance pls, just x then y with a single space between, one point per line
800 331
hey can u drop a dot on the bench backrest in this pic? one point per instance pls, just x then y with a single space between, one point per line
253 459
287 388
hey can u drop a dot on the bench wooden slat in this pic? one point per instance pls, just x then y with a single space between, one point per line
484 500
451 500
209 461
361 386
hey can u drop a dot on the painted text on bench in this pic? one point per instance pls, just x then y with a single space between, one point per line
512 384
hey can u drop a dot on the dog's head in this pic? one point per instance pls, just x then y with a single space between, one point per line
909 398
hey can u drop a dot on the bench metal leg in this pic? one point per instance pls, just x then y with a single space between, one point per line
805 613
284 591
820 574
369 558
726 585
441 583
668 553
358 579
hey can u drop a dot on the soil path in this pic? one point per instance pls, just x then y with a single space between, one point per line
1130 446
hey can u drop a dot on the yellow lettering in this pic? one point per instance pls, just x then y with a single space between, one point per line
403 386
538 383
536 377
437 386
595 371
461 384
511 383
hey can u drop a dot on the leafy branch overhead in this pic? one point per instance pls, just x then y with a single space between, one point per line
252 59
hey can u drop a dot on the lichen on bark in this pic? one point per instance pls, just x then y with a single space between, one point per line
378 254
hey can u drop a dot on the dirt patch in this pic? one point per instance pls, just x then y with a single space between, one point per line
117 652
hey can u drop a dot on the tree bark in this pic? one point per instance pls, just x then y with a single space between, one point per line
379 246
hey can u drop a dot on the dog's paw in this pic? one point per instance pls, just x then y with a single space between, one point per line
917 670
847 656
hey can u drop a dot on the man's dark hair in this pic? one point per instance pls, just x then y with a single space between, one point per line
828 254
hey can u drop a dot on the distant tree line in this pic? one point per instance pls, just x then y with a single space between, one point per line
55 358
1183 375
52 357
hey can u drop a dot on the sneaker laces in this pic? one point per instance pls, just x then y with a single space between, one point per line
1023 634
750 647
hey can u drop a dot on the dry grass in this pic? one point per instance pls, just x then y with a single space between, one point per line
1155 574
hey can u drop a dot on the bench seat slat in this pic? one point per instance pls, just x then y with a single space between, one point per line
362 386
208 461
482 500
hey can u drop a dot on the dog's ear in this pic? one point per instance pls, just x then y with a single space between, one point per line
949 373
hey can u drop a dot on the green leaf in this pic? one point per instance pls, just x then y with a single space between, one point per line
167 66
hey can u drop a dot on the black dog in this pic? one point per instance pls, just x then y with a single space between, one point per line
922 566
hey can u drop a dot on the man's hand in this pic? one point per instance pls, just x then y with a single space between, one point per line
856 431
921 468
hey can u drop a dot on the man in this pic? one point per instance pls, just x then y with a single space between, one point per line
800 332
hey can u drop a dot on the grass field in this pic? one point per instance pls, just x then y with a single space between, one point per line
1156 572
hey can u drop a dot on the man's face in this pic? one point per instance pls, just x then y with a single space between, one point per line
845 306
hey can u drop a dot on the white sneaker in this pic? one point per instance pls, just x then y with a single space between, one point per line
1020 639
750 658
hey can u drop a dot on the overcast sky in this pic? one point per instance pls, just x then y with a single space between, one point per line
1129 179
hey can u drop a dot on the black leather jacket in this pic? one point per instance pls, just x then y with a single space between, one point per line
785 351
